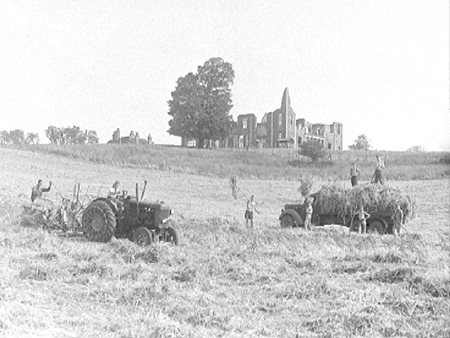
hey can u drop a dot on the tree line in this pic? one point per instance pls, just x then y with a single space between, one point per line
18 136
56 135
71 135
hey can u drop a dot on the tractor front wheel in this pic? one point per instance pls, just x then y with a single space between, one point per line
171 236
142 236
99 222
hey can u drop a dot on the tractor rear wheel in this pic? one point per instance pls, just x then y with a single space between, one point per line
142 236
376 227
287 221
171 236
99 222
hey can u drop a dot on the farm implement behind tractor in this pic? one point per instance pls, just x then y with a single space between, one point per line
100 218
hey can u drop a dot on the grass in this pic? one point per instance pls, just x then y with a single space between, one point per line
224 280
254 163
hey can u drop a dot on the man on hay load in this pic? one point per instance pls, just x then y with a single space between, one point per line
354 173
378 176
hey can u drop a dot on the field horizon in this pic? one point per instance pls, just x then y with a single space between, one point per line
223 280
264 163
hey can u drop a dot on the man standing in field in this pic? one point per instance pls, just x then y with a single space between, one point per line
362 219
251 206
308 216
354 173
378 176
37 190
398 220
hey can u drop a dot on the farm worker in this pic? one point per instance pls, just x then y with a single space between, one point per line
378 176
114 192
398 220
251 206
37 190
362 217
308 216
354 173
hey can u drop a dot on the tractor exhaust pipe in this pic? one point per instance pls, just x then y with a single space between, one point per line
137 200
143 191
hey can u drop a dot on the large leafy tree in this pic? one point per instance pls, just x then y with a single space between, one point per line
17 136
55 135
74 135
5 137
201 103
32 138
92 137
70 135
361 143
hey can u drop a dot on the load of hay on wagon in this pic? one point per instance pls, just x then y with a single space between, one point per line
335 200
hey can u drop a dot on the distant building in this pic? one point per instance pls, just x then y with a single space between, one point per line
328 135
277 129
133 138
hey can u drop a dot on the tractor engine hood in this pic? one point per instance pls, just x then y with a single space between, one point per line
147 204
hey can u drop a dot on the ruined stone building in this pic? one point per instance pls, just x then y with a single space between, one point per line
328 135
278 129
281 129
133 138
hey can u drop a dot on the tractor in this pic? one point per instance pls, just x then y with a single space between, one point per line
129 217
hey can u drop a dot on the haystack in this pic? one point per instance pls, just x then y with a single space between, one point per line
333 199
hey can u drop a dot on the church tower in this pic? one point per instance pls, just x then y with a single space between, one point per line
282 127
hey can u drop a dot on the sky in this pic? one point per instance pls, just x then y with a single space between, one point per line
380 67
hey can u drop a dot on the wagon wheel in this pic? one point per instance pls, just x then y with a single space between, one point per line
287 221
376 227
142 236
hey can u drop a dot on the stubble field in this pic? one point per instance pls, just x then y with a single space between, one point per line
223 280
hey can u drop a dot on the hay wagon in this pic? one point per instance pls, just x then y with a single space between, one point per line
334 205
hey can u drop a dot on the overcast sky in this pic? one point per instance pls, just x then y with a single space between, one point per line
380 67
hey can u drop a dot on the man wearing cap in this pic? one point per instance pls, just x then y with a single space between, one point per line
37 190
114 192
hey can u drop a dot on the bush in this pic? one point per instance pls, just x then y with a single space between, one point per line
445 159
313 150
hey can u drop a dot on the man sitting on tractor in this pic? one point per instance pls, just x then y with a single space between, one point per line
37 190
114 192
